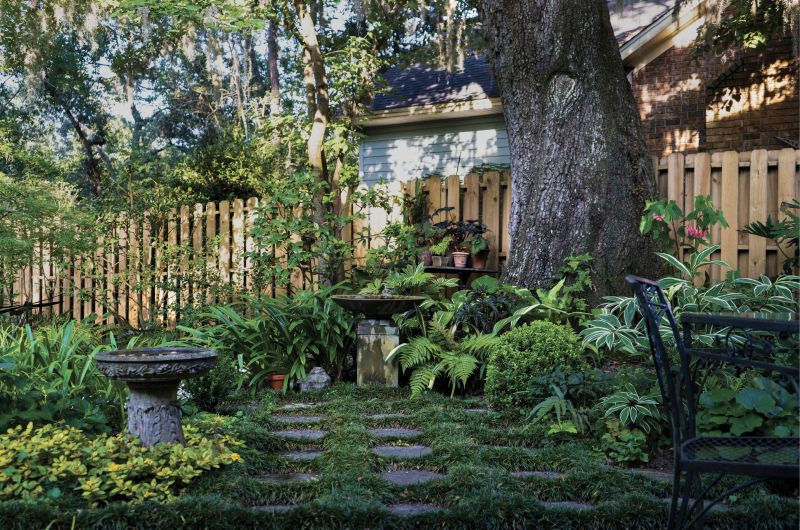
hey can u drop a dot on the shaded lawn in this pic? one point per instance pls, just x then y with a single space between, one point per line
477 452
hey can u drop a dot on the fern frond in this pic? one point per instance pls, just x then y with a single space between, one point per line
418 351
422 379
480 346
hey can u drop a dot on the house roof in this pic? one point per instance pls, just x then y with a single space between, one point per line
420 85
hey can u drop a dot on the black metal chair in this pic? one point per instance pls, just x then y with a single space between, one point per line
757 457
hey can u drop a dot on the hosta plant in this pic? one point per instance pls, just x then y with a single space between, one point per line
616 326
633 410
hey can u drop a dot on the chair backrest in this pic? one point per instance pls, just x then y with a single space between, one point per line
675 384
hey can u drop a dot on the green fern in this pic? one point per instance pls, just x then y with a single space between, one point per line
437 353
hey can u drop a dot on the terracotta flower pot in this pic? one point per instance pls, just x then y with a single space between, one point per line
460 259
479 260
276 381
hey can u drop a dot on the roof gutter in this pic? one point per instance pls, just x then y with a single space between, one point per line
433 112
657 37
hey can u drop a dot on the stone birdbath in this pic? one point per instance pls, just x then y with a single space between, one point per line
153 376
377 334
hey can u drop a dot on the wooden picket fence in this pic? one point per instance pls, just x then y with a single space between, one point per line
747 186
143 285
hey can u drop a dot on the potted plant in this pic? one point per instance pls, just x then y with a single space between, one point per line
477 245
276 381
439 252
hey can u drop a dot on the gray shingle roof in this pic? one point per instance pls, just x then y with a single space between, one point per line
423 85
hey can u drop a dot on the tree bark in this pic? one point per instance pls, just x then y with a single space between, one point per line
580 167
274 73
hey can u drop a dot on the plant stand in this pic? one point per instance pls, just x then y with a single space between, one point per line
376 338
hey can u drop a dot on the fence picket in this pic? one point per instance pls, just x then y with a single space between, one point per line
757 246
491 214
729 238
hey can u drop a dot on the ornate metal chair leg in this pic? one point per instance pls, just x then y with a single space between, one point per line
683 513
676 490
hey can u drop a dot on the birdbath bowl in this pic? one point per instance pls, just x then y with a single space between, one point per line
153 376
377 334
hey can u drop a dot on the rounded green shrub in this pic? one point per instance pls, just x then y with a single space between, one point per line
528 352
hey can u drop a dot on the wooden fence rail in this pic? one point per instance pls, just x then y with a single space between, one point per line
151 271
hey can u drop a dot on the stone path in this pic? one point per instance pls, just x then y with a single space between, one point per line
400 451
275 508
394 432
568 505
477 411
301 434
412 508
390 416
539 474
661 476
297 406
300 455
409 478
297 419
288 478
715 508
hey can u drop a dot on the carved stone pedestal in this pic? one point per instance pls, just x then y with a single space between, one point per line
153 412
376 338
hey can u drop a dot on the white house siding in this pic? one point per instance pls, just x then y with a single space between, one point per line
449 147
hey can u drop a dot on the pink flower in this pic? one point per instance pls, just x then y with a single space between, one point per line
658 217
696 233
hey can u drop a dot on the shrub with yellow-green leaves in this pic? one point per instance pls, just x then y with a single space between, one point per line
55 458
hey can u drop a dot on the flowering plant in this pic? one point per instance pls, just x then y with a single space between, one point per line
675 230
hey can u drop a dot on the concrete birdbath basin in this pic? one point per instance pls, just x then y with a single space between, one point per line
153 376
377 334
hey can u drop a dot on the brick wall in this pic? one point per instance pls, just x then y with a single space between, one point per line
743 103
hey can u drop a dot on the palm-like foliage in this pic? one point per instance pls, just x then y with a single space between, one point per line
278 335
568 418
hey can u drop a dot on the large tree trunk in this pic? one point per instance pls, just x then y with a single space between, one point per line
580 168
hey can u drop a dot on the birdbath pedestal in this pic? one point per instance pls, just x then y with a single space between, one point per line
153 376
377 334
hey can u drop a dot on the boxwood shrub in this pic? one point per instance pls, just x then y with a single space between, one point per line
528 352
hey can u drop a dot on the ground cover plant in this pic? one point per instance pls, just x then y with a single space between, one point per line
486 461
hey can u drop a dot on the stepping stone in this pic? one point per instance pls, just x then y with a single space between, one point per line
568 505
539 474
300 434
412 508
297 419
385 416
300 455
661 476
394 432
287 478
715 508
409 478
477 411
298 406
399 451
275 508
